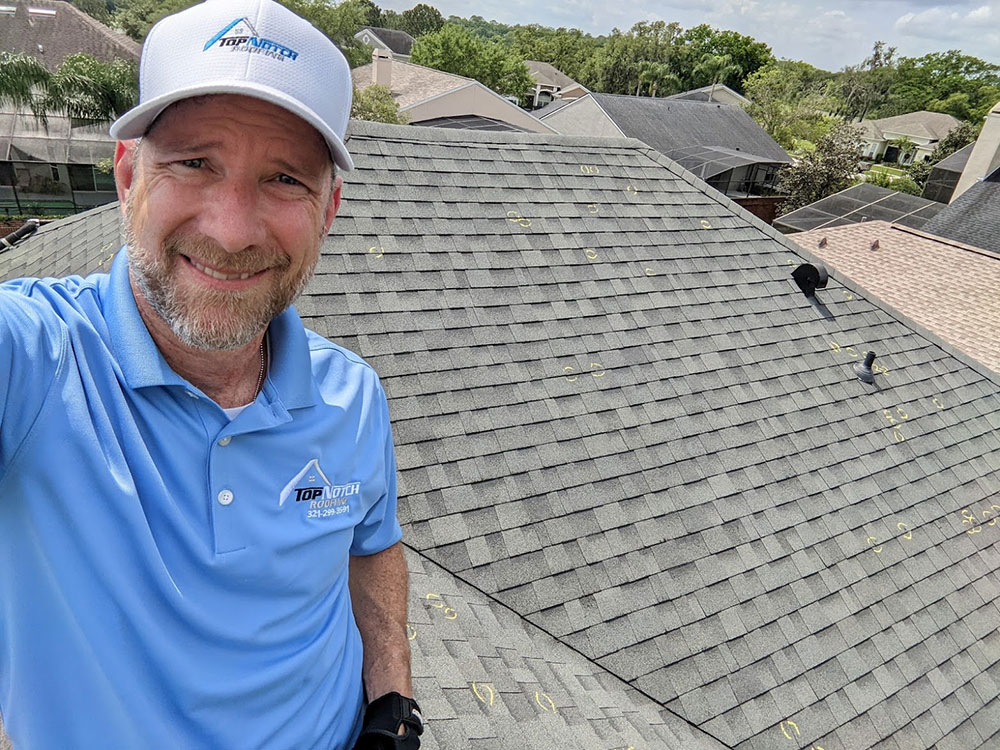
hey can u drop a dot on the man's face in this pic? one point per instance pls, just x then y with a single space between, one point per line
227 200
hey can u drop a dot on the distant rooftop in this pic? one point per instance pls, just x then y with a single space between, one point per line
398 41
672 124
547 73
412 84
973 217
722 91
470 122
50 30
932 126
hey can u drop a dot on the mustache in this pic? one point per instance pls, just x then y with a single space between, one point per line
207 251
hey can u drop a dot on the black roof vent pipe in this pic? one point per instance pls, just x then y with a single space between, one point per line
27 229
810 278
864 369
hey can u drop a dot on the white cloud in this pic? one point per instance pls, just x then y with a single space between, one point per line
943 24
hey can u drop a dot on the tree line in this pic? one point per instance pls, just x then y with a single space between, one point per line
802 107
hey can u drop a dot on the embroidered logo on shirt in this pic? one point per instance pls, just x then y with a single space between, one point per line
323 498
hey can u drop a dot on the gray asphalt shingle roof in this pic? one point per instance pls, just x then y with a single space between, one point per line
398 41
672 124
973 217
632 451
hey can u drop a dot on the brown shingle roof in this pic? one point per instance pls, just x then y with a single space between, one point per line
412 84
947 287
60 30
931 125
546 73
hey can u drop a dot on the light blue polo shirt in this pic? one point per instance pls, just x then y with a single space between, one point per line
170 578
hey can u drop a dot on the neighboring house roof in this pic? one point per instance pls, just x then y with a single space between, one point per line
50 30
420 90
862 202
947 287
672 124
630 450
392 39
57 140
932 126
722 92
556 104
470 122
548 74
973 217
412 84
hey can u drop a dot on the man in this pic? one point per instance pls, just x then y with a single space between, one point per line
198 541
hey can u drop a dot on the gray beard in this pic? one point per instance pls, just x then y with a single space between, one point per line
234 323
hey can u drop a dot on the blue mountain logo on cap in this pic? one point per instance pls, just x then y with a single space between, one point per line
241 36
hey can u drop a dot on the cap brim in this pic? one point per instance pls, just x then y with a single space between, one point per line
135 122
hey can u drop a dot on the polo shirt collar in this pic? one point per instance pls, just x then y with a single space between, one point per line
289 377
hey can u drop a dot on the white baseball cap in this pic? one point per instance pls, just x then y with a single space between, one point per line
256 48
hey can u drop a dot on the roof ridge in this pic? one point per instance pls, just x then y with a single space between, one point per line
426 560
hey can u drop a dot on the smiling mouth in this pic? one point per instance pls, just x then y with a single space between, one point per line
219 274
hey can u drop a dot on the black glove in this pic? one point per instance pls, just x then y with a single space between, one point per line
382 719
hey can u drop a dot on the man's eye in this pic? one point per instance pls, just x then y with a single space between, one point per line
193 163
288 180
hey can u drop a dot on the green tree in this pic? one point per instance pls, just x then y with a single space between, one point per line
421 19
376 103
136 17
488 30
614 68
787 107
22 79
745 52
86 88
716 69
370 13
961 85
566 49
95 9
830 168
454 49
657 77
905 184
861 88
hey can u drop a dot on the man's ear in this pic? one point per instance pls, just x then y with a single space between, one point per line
124 169
334 205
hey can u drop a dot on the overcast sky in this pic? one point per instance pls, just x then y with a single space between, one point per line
830 34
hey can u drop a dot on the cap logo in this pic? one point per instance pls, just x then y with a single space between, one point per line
241 36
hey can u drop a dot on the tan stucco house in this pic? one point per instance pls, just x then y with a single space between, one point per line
433 97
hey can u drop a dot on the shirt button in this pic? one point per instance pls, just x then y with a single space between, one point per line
225 441
225 497
192 394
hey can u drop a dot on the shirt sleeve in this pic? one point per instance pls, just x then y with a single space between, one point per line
32 346
380 529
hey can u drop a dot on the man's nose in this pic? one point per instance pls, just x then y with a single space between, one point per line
233 215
